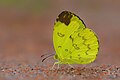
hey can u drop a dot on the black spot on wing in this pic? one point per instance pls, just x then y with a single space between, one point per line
64 17
75 46
60 34
70 57
71 38
59 46
66 50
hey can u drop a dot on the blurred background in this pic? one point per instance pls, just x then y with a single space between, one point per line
26 27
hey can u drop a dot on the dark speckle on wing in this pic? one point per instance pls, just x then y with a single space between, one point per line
65 17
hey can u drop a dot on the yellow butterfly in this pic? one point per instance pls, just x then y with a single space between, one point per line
74 43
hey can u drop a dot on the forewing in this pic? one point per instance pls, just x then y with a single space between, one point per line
66 24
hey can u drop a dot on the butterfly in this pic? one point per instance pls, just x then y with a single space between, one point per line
74 43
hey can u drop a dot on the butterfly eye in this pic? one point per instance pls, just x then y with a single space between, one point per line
56 56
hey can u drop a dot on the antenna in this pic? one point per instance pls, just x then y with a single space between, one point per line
46 57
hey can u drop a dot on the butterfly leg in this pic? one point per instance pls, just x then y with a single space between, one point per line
70 65
54 65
